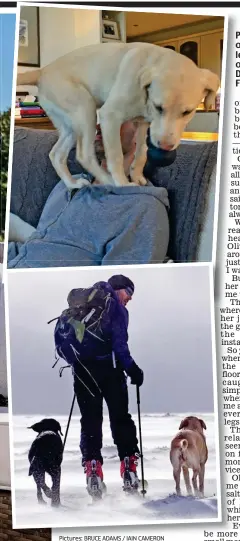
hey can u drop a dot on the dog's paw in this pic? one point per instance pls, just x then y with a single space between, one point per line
138 179
56 504
77 183
42 502
142 181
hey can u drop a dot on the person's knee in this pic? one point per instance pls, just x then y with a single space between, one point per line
91 423
119 420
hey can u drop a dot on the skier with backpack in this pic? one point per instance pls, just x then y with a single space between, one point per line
92 336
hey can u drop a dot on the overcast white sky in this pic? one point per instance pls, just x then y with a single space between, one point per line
169 337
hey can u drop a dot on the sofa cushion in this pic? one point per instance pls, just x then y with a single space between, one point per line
33 176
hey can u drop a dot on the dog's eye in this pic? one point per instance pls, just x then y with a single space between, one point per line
159 109
185 113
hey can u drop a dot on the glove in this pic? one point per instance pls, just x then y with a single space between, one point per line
136 374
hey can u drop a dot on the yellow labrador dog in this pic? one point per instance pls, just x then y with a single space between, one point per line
189 450
125 81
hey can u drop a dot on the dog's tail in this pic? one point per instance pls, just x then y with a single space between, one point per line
29 78
31 467
183 444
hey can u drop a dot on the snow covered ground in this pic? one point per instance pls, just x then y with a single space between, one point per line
160 505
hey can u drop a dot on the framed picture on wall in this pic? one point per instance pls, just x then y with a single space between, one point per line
110 29
29 37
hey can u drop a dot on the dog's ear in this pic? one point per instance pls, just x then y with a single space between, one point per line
203 424
211 84
145 77
52 424
183 423
60 429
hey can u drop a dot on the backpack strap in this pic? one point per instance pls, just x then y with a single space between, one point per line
51 320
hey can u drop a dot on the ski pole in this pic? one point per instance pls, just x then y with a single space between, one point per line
69 420
143 491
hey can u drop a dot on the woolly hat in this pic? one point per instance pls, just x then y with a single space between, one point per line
118 281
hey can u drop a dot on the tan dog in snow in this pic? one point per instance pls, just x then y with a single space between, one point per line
152 85
189 450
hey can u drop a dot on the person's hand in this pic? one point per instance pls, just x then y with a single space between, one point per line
136 374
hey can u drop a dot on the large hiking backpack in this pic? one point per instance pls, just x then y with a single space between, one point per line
82 320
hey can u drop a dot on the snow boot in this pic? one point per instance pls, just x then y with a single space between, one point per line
128 472
94 478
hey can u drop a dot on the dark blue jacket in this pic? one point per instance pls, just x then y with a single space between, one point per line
115 330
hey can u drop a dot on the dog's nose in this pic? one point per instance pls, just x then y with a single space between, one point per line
164 146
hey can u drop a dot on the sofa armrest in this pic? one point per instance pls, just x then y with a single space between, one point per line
187 181
205 240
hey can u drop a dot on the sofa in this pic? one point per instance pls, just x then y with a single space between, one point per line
190 181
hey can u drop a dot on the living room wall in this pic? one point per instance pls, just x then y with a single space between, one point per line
63 30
